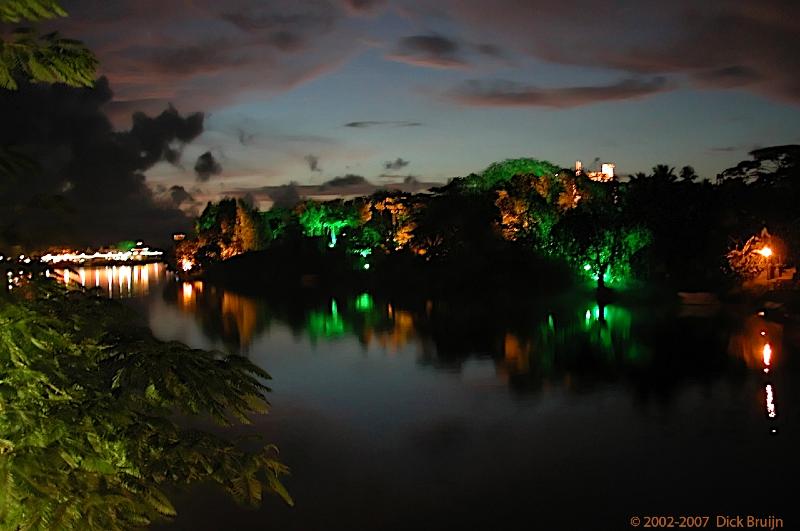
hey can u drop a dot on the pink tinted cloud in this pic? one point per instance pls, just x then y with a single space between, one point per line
204 54
716 45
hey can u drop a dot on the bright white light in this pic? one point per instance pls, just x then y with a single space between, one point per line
115 256
770 402
765 252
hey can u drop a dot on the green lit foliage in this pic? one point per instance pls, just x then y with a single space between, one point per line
275 223
125 245
501 172
329 219
89 437
595 238
31 10
43 58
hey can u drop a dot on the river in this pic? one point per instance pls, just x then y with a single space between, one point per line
426 414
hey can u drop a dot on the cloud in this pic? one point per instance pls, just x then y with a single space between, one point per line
386 123
727 77
434 51
204 53
345 181
313 162
206 167
284 196
396 164
244 137
179 195
509 94
92 187
362 6
716 45
490 50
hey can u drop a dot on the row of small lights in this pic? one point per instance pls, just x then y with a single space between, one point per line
119 256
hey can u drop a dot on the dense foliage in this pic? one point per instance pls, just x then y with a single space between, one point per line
528 214
91 435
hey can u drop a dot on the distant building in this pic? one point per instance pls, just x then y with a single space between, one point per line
606 172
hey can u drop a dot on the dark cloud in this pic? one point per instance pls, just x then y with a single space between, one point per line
179 195
244 137
433 51
362 6
313 162
386 123
728 77
396 164
736 43
489 49
509 94
206 167
345 181
205 53
284 196
92 187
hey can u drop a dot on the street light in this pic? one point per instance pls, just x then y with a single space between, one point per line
765 252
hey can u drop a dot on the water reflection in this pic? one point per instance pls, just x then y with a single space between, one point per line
117 282
575 344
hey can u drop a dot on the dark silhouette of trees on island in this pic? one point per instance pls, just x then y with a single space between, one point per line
525 219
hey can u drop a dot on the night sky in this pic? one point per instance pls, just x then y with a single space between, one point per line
307 91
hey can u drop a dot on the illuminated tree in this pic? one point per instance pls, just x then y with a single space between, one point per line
596 239
531 205
501 172
754 257
328 219
248 233
391 215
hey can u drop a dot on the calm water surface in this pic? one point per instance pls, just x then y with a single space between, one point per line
423 414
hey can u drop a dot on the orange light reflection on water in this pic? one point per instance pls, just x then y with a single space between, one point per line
115 281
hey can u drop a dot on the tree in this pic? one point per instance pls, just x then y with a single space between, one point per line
664 172
597 239
501 172
88 432
688 174
248 232
328 219
40 58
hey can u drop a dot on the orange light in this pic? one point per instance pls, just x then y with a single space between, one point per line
765 252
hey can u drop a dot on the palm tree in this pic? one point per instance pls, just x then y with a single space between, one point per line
664 172
688 174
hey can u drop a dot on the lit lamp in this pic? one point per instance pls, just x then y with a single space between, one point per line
766 252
